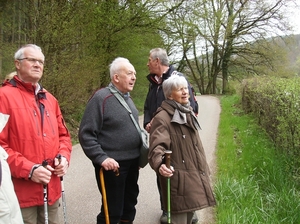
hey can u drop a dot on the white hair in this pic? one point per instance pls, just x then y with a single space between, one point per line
173 82
117 65
20 53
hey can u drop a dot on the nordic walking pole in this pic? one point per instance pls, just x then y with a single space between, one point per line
168 164
44 164
104 194
63 193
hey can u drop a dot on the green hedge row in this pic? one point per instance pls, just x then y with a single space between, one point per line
276 104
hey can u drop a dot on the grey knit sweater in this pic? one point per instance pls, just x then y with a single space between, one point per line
106 129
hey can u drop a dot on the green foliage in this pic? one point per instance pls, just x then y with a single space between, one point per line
253 184
276 104
79 40
7 59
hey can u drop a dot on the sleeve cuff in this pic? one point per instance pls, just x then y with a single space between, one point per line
33 169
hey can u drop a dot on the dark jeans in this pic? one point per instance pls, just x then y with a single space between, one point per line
121 192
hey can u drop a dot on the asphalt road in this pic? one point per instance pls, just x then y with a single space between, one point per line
83 199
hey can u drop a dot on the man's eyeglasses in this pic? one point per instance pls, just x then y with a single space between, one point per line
33 60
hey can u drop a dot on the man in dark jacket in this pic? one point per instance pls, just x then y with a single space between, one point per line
160 70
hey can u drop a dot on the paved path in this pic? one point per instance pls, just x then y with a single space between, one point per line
83 198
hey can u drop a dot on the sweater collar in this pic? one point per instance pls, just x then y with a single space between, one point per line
114 88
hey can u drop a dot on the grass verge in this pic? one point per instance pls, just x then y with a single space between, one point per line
253 183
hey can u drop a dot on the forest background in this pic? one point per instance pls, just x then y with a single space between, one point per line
215 43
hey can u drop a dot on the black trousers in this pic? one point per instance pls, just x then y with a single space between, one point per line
121 192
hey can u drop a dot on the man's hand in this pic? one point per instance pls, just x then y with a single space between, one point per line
110 164
42 174
61 165
148 126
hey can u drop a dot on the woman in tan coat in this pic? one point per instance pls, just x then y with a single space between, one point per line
175 128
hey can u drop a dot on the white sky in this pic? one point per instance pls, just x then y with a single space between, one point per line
296 23
294 15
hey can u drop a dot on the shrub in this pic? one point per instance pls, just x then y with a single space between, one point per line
275 103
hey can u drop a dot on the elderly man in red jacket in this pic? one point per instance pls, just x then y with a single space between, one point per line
33 137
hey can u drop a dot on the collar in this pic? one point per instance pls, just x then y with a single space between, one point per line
124 95
37 88
158 79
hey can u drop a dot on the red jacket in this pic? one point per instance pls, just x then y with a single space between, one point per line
35 132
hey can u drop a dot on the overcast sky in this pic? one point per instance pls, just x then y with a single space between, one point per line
296 24
294 18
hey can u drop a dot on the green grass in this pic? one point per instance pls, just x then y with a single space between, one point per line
253 183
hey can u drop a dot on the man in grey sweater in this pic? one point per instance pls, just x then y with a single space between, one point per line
110 140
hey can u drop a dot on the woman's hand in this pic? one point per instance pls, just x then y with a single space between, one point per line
165 171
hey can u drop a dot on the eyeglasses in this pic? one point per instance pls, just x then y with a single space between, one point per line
33 60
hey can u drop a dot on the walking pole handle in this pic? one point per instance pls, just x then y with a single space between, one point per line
59 158
59 161
168 158
117 173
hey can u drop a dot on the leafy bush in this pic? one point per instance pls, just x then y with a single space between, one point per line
276 104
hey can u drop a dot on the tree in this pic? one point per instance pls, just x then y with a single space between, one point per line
213 33
79 39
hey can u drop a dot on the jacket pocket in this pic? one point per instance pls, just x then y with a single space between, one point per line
181 182
207 188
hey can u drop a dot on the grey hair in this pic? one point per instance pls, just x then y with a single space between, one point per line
173 82
161 54
20 53
117 65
